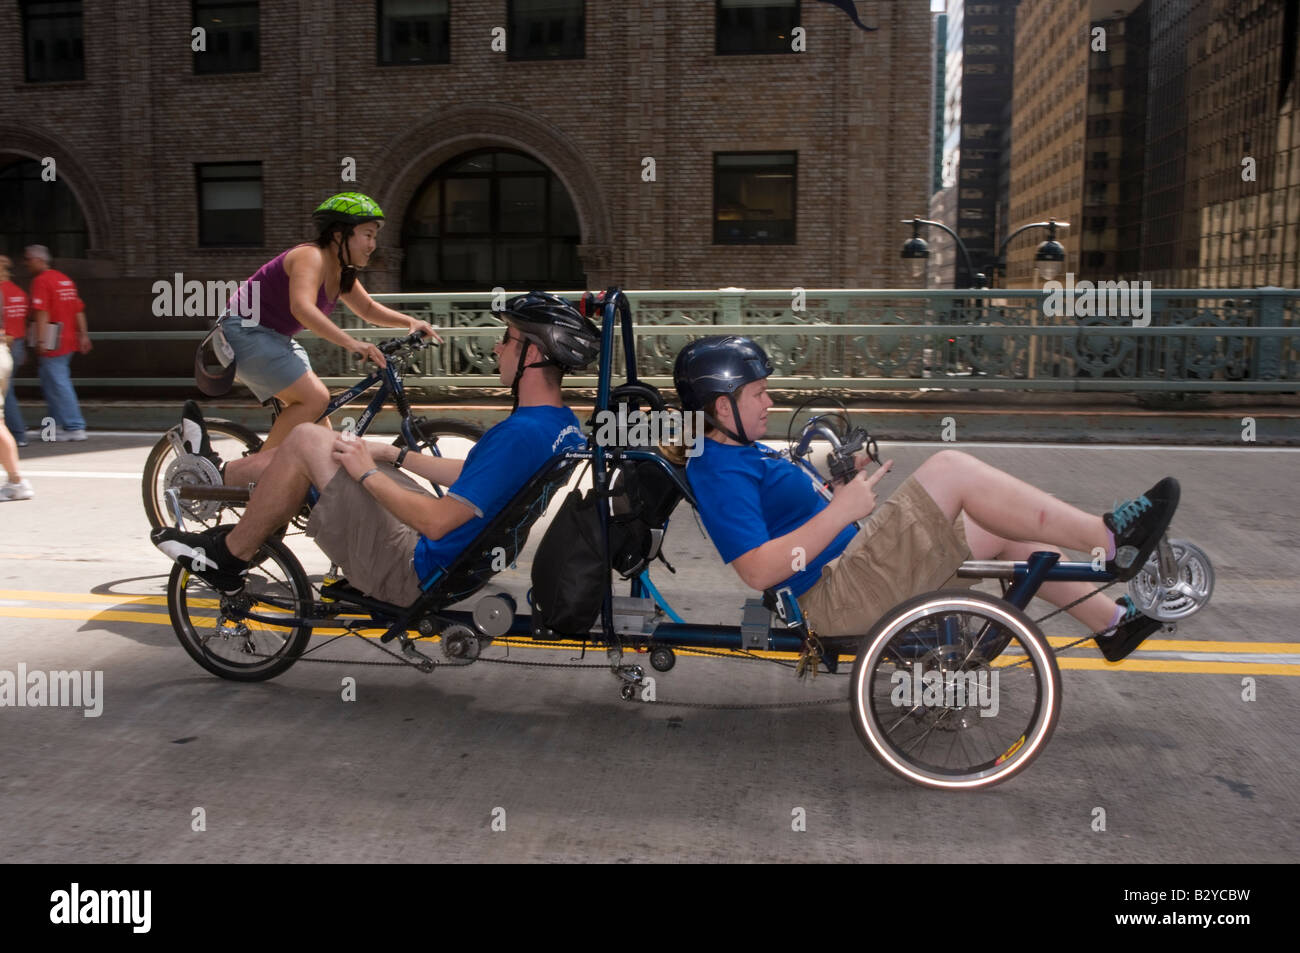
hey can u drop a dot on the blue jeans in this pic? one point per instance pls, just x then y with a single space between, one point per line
56 385
14 413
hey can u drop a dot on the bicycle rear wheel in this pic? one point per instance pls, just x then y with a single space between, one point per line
955 690
165 468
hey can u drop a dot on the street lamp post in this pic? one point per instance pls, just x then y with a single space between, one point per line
1048 259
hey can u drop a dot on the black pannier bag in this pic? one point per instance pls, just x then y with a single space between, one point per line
569 571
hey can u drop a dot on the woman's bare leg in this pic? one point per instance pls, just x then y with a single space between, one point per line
1007 507
1096 613
305 400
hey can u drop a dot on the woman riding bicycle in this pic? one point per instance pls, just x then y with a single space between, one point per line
298 290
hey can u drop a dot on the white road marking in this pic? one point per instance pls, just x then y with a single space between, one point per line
83 474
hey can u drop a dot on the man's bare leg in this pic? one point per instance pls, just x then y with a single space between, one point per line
1007 507
304 459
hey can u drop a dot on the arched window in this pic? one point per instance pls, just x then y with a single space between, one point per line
488 219
37 212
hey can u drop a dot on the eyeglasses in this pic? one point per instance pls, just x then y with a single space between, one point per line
506 339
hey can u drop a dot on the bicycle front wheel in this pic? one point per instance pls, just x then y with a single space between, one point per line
955 690
444 436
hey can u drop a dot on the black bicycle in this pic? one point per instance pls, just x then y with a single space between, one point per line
183 486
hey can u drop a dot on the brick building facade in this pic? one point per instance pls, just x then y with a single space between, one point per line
128 138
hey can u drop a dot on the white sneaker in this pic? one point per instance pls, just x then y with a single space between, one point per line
22 490
66 436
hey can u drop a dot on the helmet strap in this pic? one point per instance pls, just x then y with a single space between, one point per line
713 421
347 270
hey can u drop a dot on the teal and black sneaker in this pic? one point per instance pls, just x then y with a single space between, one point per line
1138 526
1134 629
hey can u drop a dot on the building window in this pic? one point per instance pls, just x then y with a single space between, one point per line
52 42
413 31
546 29
231 37
487 219
755 26
754 198
36 212
230 203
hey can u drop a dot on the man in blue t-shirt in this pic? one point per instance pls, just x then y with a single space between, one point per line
385 531
770 519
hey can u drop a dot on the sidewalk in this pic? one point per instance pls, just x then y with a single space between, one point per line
1075 418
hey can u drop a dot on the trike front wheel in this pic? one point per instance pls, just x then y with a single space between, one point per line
227 643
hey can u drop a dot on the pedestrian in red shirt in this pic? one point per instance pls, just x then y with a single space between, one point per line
13 303
60 319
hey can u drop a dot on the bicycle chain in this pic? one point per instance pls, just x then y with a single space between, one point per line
741 656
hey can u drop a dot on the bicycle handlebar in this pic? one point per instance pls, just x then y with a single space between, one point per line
393 345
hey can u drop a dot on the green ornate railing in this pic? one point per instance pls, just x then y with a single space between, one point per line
1225 340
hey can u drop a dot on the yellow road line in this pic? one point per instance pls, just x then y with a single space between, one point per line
1133 664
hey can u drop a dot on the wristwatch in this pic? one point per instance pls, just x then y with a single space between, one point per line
401 455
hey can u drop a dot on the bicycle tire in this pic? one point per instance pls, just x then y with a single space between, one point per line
260 651
905 733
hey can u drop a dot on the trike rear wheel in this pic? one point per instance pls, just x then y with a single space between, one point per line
955 690
242 649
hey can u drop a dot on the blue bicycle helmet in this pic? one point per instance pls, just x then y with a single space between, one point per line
719 366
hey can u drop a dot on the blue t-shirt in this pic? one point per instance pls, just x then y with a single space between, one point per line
749 495
498 466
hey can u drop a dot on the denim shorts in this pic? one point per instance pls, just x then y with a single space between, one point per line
266 361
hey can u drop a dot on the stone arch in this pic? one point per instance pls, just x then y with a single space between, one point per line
408 159
31 144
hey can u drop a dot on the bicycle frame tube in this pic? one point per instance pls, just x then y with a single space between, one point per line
355 391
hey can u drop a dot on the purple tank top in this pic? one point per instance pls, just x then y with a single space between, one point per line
273 298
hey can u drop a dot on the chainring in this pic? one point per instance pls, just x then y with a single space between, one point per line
1190 591
189 469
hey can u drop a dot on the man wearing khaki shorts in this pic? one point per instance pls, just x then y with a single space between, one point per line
388 533
769 519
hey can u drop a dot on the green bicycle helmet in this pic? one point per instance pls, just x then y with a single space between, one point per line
346 208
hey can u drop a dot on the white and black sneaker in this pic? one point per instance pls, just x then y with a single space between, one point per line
204 554
194 434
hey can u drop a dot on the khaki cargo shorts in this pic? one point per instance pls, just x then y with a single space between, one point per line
907 547
375 549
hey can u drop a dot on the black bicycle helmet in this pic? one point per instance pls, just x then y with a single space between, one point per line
716 366
564 336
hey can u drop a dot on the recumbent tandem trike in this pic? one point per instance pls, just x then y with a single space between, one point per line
953 689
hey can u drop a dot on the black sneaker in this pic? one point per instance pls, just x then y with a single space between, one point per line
1134 629
201 555
1138 526
194 434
